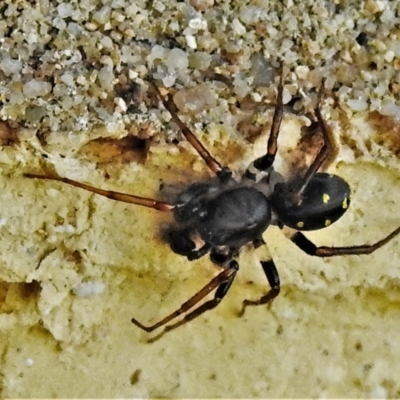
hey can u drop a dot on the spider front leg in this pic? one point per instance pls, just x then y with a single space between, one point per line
266 161
224 173
117 196
222 282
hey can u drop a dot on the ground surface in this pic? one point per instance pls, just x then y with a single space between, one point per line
76 267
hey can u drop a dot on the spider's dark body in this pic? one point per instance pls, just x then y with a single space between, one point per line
232 214
221 215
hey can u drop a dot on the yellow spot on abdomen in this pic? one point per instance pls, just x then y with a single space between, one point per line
328 222
300 224
345 203
326 198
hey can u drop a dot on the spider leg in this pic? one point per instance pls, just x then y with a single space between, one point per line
196 254
224 173
265 162
127 198
272 275
326 251
328 149
222 282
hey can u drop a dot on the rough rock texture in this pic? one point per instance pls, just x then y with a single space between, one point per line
75 267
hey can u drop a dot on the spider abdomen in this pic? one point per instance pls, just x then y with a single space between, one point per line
235 217
324 200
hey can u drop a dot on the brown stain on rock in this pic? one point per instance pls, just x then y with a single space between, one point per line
14 295
387 131
117 151
9 133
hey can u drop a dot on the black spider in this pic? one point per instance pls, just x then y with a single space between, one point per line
227 213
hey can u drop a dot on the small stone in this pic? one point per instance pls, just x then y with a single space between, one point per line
201 5
34 114
357 104
65 10
10 66
191 41
35 88
200 60
196 99
198 24
102 16
106 78
177 59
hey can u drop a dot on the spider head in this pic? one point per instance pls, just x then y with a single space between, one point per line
180 241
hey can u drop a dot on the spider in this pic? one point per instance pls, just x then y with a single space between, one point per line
226 213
